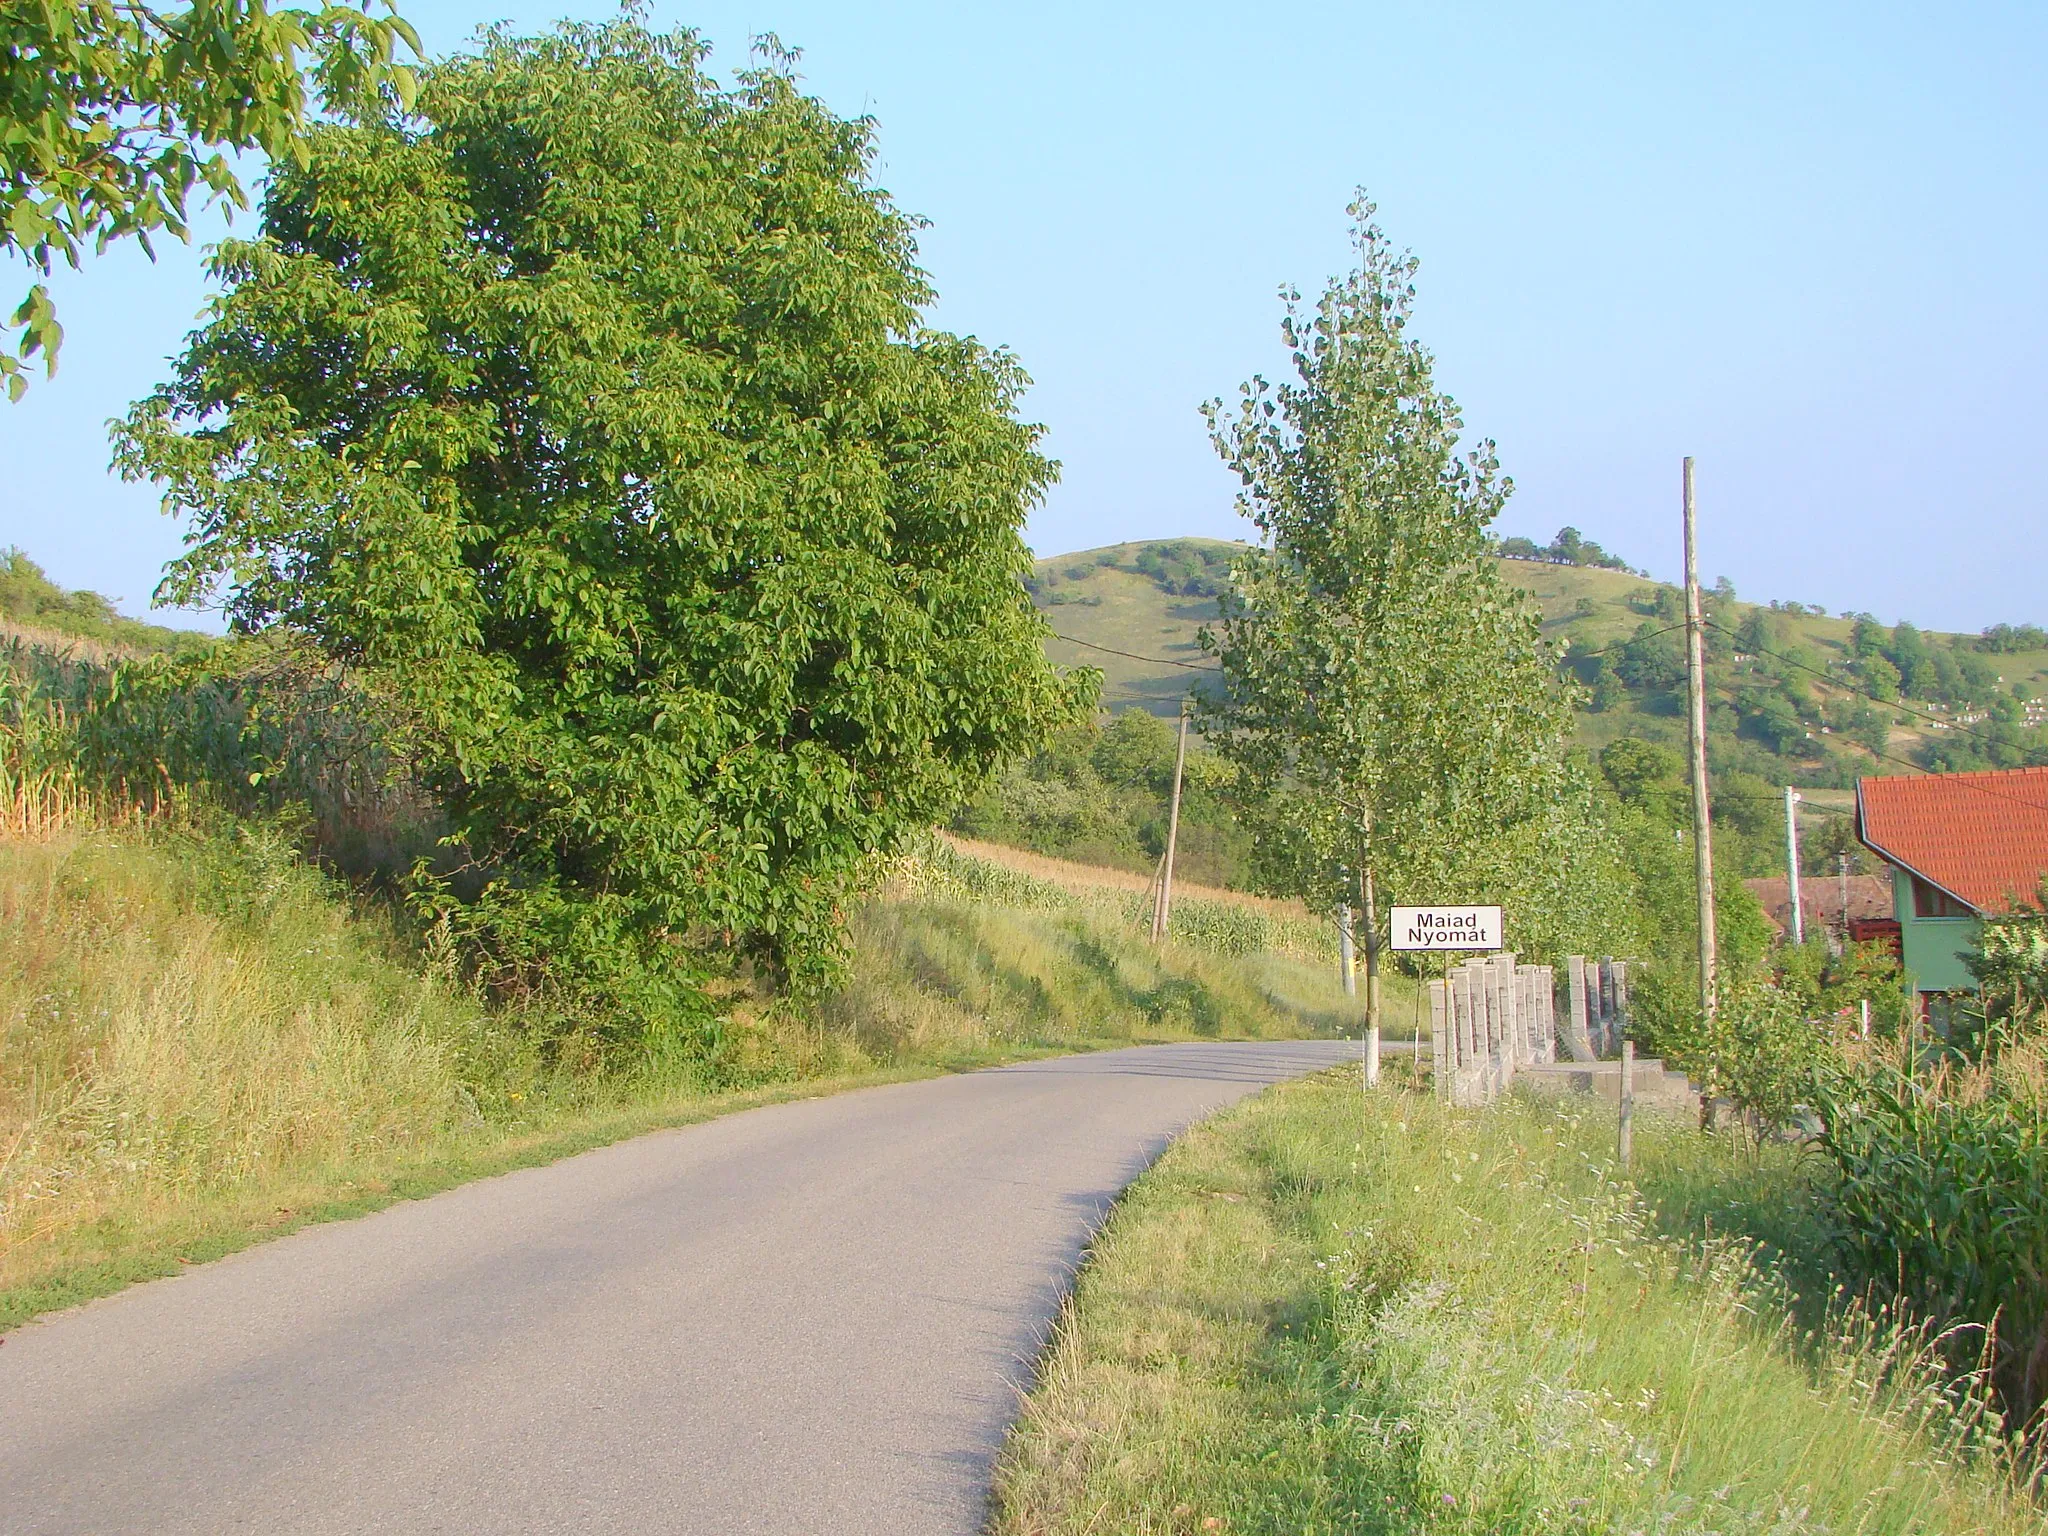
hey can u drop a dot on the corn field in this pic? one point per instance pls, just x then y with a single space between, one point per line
1941 1204
253 728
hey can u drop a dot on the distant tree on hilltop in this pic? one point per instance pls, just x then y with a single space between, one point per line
1569 547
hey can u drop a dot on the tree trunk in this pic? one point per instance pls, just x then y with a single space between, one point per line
1369 895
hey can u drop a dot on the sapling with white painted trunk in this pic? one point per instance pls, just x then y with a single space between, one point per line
1387 697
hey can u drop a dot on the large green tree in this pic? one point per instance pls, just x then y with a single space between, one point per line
588 410
1387 696
113 113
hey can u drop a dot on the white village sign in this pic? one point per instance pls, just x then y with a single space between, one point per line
1447 928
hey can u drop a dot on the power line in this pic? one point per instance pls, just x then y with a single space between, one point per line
1615 645
1110 650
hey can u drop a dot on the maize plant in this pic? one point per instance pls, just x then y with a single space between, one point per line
1941 1202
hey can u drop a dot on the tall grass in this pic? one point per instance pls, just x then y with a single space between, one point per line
1939 1200
190 1009
197 1024
1329 1312
253 728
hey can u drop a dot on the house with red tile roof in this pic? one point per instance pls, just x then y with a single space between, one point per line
1827 903
1960 846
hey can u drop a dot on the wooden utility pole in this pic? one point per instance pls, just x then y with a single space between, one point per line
1347 963
1792 865
1163 911
1702 828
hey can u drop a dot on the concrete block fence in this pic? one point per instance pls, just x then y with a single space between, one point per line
1492 1018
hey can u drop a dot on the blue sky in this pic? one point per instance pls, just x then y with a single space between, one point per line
1803 242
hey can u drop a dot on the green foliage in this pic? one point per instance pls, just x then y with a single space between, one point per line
1570 547
1387 697
1940 1205
1185 568
587 412
1933 1204
112 115
1879 678
2010 962
255 728
2007 638
1654 660
1638 770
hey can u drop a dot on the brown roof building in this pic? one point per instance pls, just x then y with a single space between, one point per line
1820 900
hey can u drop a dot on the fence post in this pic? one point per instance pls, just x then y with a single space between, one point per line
1577 1036
1625 1136
1620 998
1461 1013
1440 1049
1512 1008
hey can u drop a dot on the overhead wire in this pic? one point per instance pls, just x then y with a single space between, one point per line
1110 650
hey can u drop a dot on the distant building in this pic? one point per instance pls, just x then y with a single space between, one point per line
1827 902
1961 846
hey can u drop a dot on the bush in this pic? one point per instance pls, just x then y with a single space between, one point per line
1941 1204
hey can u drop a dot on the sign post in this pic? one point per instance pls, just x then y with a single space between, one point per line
1447 928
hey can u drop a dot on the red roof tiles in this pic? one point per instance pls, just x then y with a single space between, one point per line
1820 900
1982 837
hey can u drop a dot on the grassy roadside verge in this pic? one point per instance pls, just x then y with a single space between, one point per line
204 1043
149 1241
1322 1313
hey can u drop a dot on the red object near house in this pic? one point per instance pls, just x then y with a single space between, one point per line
1878 930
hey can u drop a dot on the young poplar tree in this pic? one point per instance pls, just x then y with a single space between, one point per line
1388 697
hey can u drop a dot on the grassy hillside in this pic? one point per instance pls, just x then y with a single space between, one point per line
1106 598
36 609
205 1041
1799 716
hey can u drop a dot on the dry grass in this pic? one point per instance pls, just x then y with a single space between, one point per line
203 1041
1070 876
176 1017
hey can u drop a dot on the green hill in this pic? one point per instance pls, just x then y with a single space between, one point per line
35 609
1791 687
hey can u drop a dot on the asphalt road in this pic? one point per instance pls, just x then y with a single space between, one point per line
810 1318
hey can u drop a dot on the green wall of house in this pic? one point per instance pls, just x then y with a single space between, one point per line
1932 947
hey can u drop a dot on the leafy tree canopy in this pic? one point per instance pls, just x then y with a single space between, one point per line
1387 694
112 113
589 411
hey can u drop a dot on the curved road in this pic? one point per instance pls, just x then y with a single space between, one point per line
810 1318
